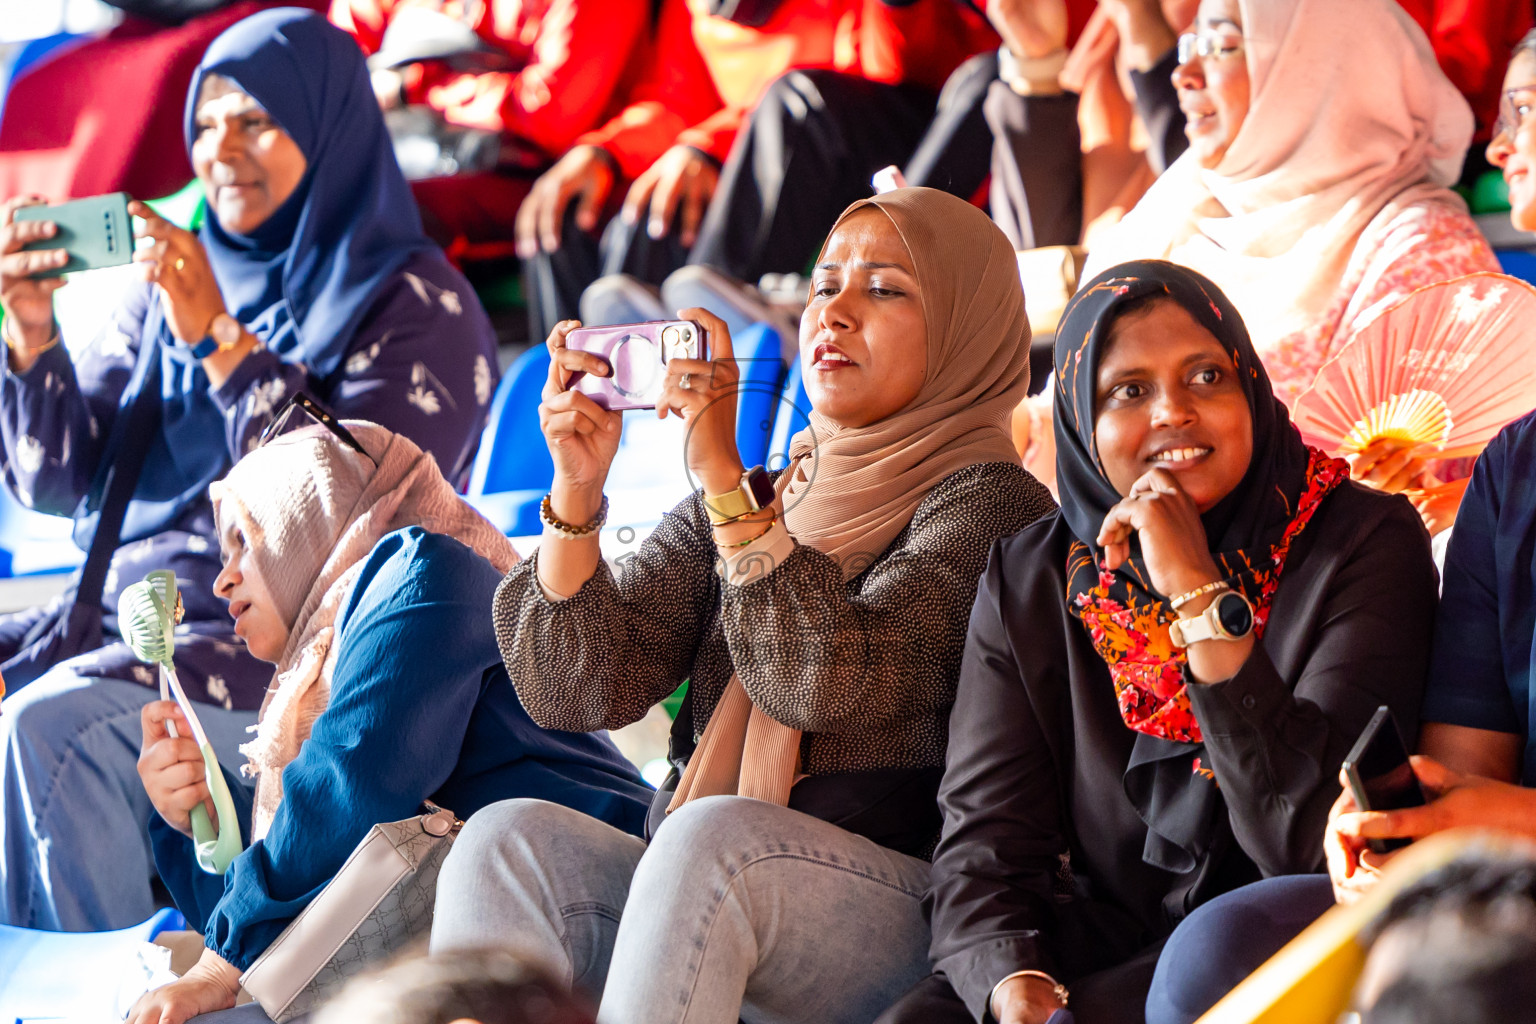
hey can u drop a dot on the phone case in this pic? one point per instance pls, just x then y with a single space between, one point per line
96 231
638 354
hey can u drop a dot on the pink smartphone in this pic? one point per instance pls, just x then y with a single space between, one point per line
638 354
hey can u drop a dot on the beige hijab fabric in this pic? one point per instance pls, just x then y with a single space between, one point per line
1350 120
311 510
849 491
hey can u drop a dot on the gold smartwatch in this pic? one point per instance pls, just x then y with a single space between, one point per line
753 494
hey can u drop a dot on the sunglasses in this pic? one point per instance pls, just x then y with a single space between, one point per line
315 411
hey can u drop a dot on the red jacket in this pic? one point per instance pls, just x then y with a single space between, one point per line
1473 40
575 61
708 73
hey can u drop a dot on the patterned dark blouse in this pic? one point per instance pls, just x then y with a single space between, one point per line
866 668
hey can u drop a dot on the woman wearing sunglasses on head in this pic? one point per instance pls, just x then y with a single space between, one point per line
352 567
311 273
1160 681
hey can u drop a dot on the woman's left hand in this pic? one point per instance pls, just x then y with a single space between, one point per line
210 985
1386 465
177 263
708 404
1167 523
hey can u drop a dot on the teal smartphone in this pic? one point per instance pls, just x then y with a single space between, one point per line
96 232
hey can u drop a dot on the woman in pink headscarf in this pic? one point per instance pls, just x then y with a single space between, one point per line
1315 192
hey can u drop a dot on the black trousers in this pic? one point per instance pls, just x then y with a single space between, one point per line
808 150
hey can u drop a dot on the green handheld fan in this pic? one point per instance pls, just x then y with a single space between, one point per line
147 614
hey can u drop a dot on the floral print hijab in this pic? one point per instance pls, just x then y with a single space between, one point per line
1250 531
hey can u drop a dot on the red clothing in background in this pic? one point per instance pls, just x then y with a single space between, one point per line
573 61
708 72
1473 40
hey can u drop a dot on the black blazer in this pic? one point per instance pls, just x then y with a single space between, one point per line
1040 865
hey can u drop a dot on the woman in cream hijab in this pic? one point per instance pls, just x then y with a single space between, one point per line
820 636
365 579
1323 138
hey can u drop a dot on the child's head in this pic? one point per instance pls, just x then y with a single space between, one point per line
485 986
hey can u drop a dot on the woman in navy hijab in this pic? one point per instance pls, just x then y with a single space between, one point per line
311 274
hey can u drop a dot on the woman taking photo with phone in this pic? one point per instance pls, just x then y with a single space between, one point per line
310 273
1162 679
819 622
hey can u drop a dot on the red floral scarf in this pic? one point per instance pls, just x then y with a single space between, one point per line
1128 622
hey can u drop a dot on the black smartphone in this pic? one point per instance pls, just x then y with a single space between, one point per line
1380 776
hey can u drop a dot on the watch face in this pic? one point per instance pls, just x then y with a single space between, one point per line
1235 616
762 487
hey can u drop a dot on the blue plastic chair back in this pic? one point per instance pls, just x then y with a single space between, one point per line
794 415
1519 263
512 469
70 975
759 354
512 454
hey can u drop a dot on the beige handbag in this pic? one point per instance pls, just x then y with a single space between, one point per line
378 903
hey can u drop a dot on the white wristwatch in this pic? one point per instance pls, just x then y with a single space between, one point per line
1229 617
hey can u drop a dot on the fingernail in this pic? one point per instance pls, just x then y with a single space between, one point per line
526 250
655 229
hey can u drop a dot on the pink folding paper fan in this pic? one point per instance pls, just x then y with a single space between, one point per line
1446 367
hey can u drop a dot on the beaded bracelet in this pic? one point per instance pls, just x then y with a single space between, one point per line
759 536
564 530
1183 599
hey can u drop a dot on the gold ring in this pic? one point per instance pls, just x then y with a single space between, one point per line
180 263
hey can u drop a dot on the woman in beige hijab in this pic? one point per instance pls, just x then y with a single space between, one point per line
820 636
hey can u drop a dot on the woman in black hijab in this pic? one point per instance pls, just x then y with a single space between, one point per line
1161 680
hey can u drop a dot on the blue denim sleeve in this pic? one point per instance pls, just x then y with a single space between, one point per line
422 364
54 418
383 745
1467 681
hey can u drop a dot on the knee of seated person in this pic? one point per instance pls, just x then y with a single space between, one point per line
48 710
486 835
704 824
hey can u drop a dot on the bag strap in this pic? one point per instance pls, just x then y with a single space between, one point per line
122 461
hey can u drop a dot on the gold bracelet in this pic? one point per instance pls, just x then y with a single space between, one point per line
22 350
1209 588
743 543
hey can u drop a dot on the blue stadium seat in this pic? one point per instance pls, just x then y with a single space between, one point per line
759 353
1519 263
513 470
793 416
66 976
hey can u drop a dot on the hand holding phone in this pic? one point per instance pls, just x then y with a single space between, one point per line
1380 776
95 232
27 249
637 356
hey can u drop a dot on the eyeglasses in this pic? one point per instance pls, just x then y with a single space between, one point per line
1204 45
1513 112
316 412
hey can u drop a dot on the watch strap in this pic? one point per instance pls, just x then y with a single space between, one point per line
205 348
733 505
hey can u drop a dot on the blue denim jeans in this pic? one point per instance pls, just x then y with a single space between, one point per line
74 845
738 909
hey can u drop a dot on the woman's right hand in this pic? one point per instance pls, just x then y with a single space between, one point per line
1386 465
583 437
27 300
171 767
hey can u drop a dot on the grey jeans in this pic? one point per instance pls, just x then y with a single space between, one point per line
738 909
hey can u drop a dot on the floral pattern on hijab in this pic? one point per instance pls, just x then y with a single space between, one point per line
1250 533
